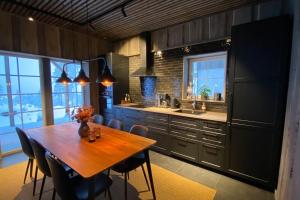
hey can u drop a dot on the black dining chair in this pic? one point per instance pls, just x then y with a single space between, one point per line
42 165
27 149
75 187
135 161
116 124
98 119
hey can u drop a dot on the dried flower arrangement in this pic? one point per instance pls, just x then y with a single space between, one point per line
84 114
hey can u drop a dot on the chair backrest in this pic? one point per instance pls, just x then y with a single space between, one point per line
60 178
139 130
116 124
39 153
98 119
24 140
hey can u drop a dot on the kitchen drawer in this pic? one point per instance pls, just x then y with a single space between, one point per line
157 128
154 118
213 137
211 155
133 114
184 122
184 148
184 132
163 141
213 126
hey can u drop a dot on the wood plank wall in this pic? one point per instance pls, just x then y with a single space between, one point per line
17 34
201 30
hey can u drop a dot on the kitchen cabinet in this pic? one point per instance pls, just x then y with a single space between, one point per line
159 39
158 130
175 35
184 133
211 155
218 26
184 148
200 141
213 144
132 117
258 78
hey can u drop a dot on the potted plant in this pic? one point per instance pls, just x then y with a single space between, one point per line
204 92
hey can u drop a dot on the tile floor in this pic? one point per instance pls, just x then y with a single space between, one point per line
227 188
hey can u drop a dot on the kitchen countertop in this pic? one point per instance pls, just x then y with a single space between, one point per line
208 115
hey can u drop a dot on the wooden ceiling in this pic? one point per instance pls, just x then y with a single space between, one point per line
106 17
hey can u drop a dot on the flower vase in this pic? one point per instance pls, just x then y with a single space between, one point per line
84 129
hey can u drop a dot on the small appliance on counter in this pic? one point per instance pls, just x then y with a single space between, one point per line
217 96
162 100
127 99
175 103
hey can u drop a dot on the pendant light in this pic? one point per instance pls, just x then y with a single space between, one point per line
64 79
82 79
106 77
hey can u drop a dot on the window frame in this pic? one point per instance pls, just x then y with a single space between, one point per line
45 84
84 89
187 65
10 94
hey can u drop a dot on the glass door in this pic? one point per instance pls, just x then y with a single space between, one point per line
20 99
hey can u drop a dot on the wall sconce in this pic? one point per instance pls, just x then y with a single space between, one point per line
158 53
186 49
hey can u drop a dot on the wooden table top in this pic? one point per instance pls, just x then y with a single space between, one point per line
89 159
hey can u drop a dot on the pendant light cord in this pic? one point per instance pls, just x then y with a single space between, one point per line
87 28
72 28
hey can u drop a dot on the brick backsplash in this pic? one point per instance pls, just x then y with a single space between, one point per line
169 70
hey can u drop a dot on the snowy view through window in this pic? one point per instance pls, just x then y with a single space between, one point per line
21 98
65 98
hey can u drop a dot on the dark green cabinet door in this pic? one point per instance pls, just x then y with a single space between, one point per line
258 70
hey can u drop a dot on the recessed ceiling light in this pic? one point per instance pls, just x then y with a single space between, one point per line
30 19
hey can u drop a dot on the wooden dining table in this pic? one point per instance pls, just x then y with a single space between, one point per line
91 158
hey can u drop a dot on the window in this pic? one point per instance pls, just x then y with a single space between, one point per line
20 98
65 98
205 77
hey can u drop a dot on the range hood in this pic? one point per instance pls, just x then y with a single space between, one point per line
146 56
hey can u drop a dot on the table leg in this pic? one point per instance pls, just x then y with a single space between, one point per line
91 188
146 152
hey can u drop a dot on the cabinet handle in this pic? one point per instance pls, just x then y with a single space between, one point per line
181 144
211 134
212 147
193 136
157 128
159 119
178 122
206 127
211 140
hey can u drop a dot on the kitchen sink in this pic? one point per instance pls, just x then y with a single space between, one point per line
190 111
